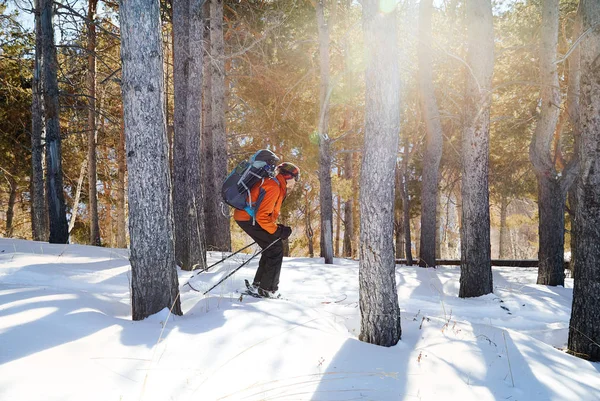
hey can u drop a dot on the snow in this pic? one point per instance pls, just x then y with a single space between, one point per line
66 334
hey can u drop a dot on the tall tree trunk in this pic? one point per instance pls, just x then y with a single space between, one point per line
584 330
221 235
207 161
92 133
121 230
348 209
325 192
75 208
154 283
406 204
380 313
10 207
54 175
433 146
504 245
338 223
573 94
308 227
552 185
476 268
187 190
399 215
39 212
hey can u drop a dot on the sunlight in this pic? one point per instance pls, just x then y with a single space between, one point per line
387 6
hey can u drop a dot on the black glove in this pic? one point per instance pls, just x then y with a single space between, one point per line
284 232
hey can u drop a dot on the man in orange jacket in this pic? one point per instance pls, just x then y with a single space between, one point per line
267 196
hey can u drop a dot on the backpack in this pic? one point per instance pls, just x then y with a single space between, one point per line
236 188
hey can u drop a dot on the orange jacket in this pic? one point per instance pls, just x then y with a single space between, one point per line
269 207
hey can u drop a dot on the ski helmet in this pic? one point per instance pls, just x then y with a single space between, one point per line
266 156
289 171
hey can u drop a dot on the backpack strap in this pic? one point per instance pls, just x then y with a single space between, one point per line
251 209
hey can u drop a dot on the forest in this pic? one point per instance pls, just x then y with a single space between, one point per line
424 131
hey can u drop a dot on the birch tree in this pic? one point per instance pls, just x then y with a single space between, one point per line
380 313
154 283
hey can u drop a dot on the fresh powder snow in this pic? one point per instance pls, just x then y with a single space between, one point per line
66 334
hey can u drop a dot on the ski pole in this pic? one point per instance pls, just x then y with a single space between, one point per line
222 260
242 265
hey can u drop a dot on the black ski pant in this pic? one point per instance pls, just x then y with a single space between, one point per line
269 266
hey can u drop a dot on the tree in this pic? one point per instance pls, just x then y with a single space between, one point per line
39 212
92 132
380 313
552 184
433 147
476 269
54 173
154 283
187 189
584 328
221 237
326 199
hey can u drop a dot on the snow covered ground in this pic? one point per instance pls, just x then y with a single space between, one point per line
66 334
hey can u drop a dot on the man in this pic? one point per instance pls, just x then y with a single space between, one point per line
268 195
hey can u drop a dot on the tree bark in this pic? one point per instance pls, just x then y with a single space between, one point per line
92 133
325 191
399 215
476 269
75 208
187 190
221 232
39 212
380 313
121 229
10 207
338 223
207 161
433 145
584 330
348 209
308 227
406 205
54 175
154 283
551 205
573 94
504 240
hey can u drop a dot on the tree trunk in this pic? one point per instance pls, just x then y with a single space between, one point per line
59 233
551 205
325 192
406 205
92 134
476 269
380 313
308 227
221 236
121 230
207 161
10 207
348 209
504 245
573 94
39 214
433 146
584 330
399 214
338 223
187 190
154 283
75 208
